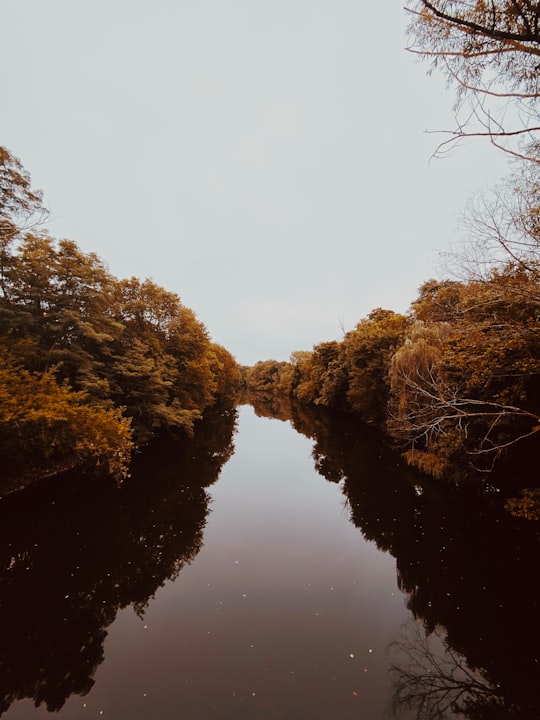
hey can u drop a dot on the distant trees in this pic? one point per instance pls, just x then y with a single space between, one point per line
90 365
351 375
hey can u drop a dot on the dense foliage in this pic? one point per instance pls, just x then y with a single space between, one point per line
89 365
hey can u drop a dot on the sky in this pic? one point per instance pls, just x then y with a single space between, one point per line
266 160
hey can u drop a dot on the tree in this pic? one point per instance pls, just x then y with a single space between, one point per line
226 371
46 427
466 383
502 228
490 51
20 206
434 681
265 376
315 370
369 349
103 347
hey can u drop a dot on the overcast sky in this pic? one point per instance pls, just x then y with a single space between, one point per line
265 159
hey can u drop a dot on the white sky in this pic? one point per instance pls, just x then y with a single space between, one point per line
265 159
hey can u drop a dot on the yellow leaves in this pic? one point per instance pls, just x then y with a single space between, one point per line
227 376
46 426
128 343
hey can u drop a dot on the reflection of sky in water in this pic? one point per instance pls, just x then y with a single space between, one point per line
285 613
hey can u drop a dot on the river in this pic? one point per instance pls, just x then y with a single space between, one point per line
283 580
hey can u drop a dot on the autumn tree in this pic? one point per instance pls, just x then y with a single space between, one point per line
227 373
56 311
265 376
21 207
489 51
46 427
315 370
351 375
149 373
466 382
125 355
369 349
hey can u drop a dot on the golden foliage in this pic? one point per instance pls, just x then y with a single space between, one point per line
46 427
119 348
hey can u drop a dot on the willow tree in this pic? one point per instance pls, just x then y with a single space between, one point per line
465 385
490 53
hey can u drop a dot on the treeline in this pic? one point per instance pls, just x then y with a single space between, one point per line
455 382
90 366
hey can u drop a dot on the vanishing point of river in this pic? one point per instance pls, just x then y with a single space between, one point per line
308 575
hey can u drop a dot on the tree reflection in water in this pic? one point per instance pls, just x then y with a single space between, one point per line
434 681
74 551
469 569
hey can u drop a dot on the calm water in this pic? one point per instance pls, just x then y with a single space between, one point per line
273 583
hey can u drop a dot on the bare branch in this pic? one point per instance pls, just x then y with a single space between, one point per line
433 679
489 52
481 29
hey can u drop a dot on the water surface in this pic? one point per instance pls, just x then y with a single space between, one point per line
271 583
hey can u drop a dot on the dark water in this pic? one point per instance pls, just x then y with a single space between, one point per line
282 581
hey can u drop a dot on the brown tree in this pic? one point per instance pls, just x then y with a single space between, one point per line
465 384
21 207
